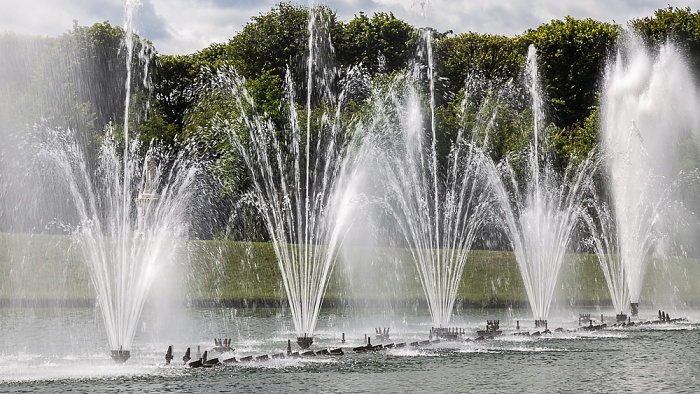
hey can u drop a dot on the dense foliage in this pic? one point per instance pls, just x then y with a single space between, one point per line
571 54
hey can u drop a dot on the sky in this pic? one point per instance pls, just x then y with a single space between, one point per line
186 26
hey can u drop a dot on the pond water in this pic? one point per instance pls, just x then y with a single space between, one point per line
59 350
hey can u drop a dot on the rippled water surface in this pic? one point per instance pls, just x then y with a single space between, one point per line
47 350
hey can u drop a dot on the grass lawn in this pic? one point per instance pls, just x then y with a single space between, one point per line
37 267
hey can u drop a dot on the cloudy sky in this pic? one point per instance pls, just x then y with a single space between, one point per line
186 26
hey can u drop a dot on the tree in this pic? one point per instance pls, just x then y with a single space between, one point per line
679 25
571 55
496 58
75 80
382 43
270 41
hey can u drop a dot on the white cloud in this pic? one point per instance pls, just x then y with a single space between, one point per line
194 25
186 26
50 18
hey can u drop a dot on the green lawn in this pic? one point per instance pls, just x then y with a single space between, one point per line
50 267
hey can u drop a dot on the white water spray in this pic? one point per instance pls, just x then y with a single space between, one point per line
539 212
649 107
297 173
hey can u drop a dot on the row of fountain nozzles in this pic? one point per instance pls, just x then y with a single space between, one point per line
381 334
169 355
226 342
448 330
201 361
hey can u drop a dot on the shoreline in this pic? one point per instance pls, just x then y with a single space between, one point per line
244 303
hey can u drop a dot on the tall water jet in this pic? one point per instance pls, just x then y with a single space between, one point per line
540 207
604 239
649 108
296 171
438 203
129 204
127 236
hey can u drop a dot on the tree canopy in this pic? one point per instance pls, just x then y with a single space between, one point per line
678 25
85 90
571 54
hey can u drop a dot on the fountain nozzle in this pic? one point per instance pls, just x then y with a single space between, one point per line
305 342
169 355
120 356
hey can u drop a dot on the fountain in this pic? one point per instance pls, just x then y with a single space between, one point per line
540 208
128 205
649 108
295 174
438 206
604 239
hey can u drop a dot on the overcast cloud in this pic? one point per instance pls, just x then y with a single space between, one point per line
186 26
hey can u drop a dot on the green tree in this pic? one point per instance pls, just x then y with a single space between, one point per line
382 43
175 92
173 87
571 55
573 146
96 67
496 58
679 25
75 80
270 42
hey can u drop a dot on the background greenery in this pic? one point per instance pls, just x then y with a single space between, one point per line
571 54
41 82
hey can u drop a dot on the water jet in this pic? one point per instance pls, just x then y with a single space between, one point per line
648 110
437 207
540 209
634 307
297 175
